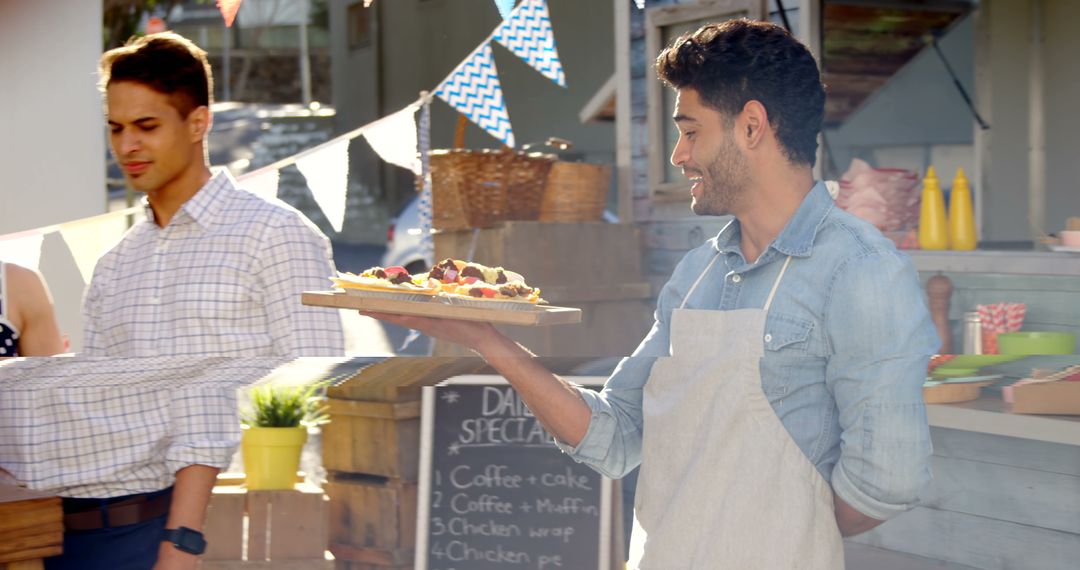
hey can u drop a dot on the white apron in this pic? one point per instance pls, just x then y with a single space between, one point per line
722 484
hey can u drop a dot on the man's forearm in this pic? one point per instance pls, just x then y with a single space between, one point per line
555 402
191 495
850 521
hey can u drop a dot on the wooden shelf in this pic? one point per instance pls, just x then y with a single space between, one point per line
989 414
997 261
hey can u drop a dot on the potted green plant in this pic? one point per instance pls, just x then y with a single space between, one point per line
275 430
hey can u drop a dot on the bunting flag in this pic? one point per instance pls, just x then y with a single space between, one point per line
394 139
264 185
24 250
528 34
640 4
228 10
327 174
473 89
367 3
427 245
89 239
505 7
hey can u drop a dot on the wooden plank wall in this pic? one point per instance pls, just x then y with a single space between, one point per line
996 503
1053 302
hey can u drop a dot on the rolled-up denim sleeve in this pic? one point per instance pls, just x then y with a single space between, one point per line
881 337
612 444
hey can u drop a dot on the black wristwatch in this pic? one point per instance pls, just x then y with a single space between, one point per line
186 539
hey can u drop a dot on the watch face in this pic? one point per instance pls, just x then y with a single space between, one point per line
186 539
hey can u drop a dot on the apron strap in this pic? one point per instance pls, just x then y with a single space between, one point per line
698 280
776 284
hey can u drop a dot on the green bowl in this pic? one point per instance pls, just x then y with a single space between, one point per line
1036 343
978 360
942 372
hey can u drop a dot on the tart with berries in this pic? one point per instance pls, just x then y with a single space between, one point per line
466 283
388 282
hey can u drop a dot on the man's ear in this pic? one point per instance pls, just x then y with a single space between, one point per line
755 120
199 122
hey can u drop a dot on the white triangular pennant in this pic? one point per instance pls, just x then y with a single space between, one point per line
394 139
327 174
264 185
88 240
528 34
640 4
505 7
473 89
24 250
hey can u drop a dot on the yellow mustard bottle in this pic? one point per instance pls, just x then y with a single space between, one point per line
961 215
933 230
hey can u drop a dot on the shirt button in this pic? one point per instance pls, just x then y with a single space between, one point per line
768 338
736 278
155 301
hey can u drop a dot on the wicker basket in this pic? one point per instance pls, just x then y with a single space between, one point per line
575 192
479 188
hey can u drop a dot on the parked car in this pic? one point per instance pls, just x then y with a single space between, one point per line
403 239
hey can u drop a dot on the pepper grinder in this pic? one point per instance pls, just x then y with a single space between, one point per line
939 290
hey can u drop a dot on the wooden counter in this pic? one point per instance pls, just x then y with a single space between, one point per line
1005 494
31 528
990 415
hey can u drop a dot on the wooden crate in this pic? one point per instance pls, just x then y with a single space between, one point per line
374 424
344 565
401 379
372 521
373 438
285 529
31 527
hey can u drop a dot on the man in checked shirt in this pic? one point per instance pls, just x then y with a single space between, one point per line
214 270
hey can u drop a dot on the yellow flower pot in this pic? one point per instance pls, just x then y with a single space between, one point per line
272 456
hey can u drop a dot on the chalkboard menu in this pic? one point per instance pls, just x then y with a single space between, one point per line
495 492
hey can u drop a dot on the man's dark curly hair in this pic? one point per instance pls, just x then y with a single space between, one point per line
167 63
734 62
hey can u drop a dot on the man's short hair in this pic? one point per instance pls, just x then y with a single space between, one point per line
731 63
167 63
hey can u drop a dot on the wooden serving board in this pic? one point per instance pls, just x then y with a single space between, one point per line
953 393
538 315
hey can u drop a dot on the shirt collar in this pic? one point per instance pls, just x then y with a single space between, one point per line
204 206
797 237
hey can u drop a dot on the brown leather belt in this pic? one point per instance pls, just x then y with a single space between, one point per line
133 510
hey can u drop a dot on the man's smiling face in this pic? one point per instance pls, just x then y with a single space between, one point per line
709 157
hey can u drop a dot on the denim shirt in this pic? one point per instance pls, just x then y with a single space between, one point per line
847 343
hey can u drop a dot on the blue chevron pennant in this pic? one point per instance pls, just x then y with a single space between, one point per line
504 6
473 89
527 33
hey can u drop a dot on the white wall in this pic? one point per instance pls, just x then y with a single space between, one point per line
53 147
52 152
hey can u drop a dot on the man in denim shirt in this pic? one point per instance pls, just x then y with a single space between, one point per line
776 404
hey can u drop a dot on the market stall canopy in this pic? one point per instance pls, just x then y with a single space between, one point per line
866 42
